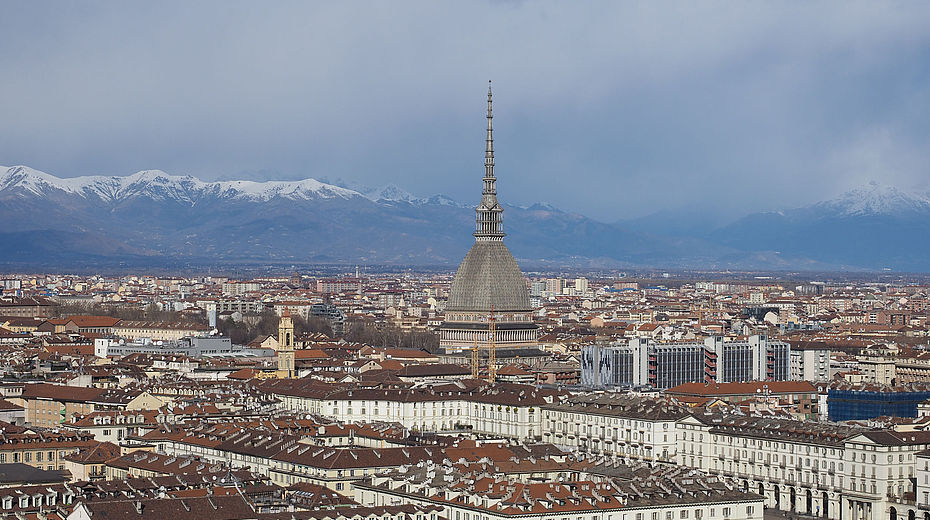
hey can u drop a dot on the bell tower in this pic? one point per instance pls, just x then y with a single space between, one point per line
286 345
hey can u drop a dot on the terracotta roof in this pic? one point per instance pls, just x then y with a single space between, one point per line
244 374
512 370
310 354
93 321
98 454
194 508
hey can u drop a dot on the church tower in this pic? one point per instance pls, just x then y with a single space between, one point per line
489 286
286 345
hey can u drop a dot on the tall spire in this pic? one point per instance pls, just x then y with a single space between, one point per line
489 142
488 212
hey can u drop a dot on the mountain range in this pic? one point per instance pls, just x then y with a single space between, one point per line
152 218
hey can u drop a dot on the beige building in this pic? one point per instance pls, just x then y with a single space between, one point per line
46 451
50 405
158 331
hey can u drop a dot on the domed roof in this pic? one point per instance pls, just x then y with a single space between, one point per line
489 276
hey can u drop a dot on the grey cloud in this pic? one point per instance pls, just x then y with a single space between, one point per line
613 109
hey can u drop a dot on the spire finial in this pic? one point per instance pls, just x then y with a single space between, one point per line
488 220
489 145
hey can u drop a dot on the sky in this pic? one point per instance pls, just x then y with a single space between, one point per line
611 109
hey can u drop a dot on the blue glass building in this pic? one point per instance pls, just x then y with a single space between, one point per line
854 404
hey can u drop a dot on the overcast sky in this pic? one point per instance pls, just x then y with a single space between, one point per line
613 109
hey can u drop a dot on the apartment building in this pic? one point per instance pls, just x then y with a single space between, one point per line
810 365
43 450
620 426
114 425
288 459
798 398
158 331
51 405
507 410
818 469
148 464
26 306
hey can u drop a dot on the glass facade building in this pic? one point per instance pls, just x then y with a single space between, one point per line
855 404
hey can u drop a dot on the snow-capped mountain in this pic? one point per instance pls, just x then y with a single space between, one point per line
156 216
392 193
875 199
389 192
153 218
874 226
158 185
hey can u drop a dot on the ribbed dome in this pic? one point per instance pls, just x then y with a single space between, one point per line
489 275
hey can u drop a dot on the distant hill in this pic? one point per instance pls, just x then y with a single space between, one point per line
871 227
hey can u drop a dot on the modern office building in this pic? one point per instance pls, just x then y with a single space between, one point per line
642 362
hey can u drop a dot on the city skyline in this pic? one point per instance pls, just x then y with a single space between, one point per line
691 283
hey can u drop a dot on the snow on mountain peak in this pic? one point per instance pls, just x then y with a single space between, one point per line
877 199
388 192
159 185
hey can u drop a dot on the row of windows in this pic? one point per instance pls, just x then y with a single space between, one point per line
27 456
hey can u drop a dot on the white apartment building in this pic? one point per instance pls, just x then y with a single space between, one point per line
818 469
810 365
619 426
504 410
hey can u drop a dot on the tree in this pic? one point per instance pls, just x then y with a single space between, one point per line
238 332
361 332
314 324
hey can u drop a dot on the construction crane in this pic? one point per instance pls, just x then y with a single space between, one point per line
474 359
492 351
